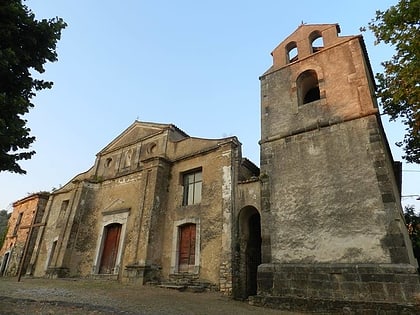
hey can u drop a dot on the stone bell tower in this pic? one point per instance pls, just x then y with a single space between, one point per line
332 225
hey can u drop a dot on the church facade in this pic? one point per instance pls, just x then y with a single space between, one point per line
157 206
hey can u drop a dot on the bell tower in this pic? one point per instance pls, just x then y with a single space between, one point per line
332 223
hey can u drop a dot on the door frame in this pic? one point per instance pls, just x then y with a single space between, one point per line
105 245
174 269
192 230
110 217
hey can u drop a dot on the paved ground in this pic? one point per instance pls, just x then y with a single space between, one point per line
100 297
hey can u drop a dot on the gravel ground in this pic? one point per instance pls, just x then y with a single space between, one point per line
70 296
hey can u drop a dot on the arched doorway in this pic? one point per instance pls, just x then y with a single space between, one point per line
253 253
249 250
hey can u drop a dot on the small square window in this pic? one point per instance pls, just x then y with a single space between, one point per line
192 184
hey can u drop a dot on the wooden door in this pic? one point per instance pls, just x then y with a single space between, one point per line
110 248
187 248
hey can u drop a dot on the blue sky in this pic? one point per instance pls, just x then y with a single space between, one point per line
191 63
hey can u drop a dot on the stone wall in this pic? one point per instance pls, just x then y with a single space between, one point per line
341 288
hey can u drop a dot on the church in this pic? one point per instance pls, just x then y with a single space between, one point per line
157 205
319 225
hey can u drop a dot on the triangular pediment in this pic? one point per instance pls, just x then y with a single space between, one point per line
136 132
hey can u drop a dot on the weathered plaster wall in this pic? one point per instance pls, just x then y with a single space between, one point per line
327 205
57 222
212 214
249 194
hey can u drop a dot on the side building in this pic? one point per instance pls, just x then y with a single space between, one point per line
157 206
22 232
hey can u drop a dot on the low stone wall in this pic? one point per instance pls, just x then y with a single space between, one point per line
142 274
333 307
339 287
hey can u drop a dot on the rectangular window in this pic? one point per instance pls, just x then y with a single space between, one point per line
63 209
192 183
64 205
52 252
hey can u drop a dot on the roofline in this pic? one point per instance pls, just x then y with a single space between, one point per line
165 125
161 125
248 162
40 195
368 64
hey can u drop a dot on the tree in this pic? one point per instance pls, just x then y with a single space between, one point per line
399 85
4 219
26 44
413 225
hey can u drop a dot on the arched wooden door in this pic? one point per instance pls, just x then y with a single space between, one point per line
111 243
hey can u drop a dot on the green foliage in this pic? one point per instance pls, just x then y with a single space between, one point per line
26 44
4 219
399 85
413 225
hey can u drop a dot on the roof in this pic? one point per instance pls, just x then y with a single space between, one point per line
138 131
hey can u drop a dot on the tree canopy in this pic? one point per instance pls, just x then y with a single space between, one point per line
399 84
412 220
26 44
4 219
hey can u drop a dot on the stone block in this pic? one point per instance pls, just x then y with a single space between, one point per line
265 282
394 292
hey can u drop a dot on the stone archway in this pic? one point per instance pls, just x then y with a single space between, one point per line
249 251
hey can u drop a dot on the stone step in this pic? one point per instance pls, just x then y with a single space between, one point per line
188 288
196 288
173 286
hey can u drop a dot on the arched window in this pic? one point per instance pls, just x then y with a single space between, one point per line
316 40
307 87
292 52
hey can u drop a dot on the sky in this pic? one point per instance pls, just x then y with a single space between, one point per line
195 64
